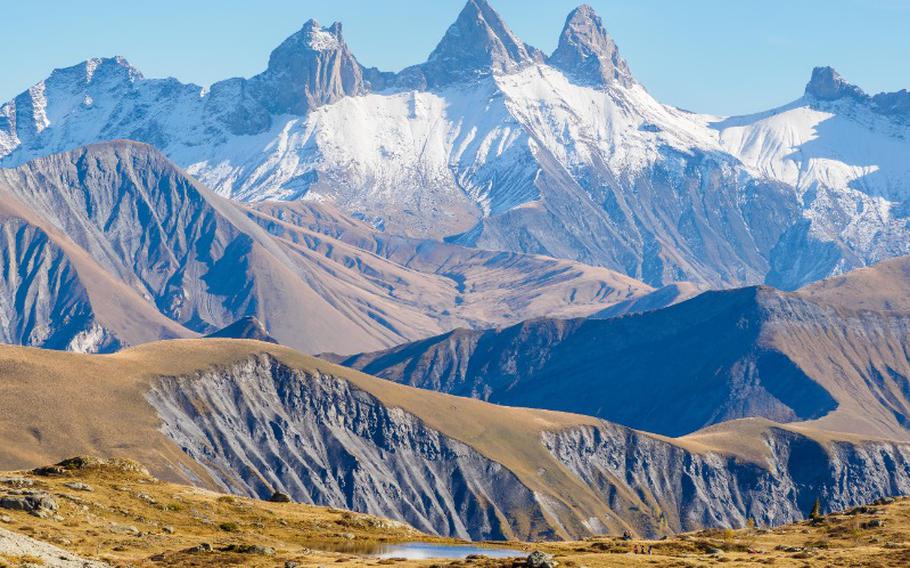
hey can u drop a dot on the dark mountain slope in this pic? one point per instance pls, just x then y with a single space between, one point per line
752 352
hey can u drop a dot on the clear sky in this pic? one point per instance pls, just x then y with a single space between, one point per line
720 56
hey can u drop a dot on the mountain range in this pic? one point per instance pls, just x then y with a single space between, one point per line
252 418
547 306
111 245
492 144
831 353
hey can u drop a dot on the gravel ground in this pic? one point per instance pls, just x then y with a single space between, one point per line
17 545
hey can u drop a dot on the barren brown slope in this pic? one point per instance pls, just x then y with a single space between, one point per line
204 262
253 417
883 287
486 286
118 309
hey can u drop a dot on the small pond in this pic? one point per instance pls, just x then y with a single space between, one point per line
425 550
416 550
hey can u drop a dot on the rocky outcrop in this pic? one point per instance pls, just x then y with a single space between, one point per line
260 426
477 45
896 104
38 503
311 68
826 84
683 491
587 53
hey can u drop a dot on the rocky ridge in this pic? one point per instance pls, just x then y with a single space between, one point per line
500 147
112 244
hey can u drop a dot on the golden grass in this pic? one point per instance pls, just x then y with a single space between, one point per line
132 519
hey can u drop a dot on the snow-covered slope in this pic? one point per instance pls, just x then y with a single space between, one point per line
492 144
847 157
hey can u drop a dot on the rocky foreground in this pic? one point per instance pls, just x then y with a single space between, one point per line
86 512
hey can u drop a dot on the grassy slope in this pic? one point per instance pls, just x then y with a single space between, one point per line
129 518
57 404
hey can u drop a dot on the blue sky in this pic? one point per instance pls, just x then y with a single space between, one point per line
721 56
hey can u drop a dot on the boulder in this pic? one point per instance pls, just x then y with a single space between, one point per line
279 497
34 502
538 559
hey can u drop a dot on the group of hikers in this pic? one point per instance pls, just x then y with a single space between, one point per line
636 549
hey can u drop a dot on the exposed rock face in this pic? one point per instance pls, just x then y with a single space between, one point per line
42 301
587 53
258 426
691 491
895 104
826 84
311 68
478 44
321 441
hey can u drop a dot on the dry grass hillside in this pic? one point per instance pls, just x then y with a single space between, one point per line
100 407
113 511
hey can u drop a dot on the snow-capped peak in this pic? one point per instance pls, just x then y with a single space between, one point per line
587 53
312 37
478 43
319 38
312 67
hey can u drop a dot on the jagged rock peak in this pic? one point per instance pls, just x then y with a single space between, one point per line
826 84
895 104
587 53
313 36
479 43
312 67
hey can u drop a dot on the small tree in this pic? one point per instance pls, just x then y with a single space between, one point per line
816 509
